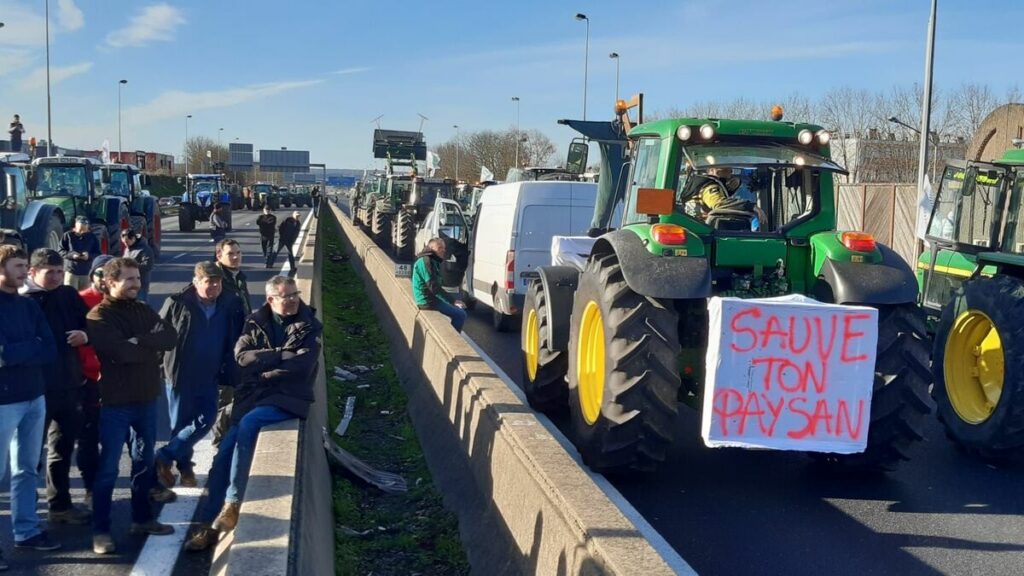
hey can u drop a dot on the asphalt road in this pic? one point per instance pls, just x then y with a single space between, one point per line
733 511
180 253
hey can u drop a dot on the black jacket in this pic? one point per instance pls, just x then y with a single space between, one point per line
289 231
26 345
64 310
267 224
180 310
274 373
72 243
142 253
236 282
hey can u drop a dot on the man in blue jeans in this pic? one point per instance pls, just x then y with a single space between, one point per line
277 354
26 346
208 320
128 337
426 284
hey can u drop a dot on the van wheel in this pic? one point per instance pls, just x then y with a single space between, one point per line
501 322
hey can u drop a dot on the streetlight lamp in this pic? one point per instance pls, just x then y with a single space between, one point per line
120 148
615 56
49 116
586 62
931 136
516 100
458 144
186 144
220 133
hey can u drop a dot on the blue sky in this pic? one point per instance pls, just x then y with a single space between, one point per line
312 75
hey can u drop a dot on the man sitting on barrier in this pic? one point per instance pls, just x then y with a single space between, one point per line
277 354
427 290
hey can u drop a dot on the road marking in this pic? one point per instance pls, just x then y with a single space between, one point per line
298 244
672 558
180 255
160 553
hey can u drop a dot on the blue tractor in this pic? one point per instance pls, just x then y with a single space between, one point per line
203 192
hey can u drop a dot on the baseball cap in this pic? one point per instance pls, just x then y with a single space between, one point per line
98 263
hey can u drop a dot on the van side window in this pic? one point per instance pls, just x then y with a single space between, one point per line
644 174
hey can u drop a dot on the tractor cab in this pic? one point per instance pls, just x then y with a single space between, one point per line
65 176
13 197
127 181
264 194
203 193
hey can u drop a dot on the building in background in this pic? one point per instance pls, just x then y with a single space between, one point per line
876 157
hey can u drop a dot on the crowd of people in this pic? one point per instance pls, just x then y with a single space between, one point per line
84 360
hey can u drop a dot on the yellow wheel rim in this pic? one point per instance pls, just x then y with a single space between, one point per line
973 366
532 335
590 363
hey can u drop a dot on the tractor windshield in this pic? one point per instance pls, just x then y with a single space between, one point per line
429 192
206 186
120 183
1016 217
966 219
750 188
263 188
53 180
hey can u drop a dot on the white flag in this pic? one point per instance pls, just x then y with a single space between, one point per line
485 174
433 163
105 152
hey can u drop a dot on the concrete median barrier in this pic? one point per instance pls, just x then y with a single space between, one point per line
525 503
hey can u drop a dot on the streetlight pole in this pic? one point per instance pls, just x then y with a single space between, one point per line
615 56
120 148
586 63
49 116
516 100
220 133
458 145
926 104
186 144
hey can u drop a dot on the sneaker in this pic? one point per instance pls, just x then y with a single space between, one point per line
40 541
73 516
188 478
152 528
164 474
228 517
162 495
202 538
103 544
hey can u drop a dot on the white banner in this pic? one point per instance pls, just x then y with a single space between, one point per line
789 373
485 174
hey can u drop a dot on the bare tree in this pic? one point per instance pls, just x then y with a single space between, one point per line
495 150
537 149
196 149
969 105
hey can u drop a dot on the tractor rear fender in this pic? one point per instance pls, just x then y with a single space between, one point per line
559 284
889 281
36 220
647 274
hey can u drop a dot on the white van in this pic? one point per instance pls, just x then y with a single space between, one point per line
511 237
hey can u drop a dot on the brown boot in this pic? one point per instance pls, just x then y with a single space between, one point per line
164 474
202 538
188 478
228 517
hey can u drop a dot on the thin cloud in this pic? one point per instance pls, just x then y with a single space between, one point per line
69 16
177 103
13 60
354 70
155 23
36 80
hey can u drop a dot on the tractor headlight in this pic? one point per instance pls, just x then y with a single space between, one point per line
805 137
707 131
823 137
684 133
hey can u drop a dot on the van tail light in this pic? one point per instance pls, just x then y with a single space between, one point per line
510 269
859 241
668 234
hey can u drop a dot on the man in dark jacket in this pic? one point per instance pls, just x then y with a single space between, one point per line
229 260
278 354
267 224
138 249
26 346
289 233
65 313
208 321
314 197
78 247
427 290
88 453
128 337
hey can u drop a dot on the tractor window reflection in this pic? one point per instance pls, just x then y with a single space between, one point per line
965 219
1016 217
52 180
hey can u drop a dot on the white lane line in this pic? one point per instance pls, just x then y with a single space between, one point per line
160 553
180 255
298 244
672 558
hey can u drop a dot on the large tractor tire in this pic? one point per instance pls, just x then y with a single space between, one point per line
156 236
623 381
544 368
899 401
380 229
186 221
138 224
978 365
102 234
54 233
405 236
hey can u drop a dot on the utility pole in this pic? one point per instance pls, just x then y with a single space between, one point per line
186 144
515 99
615 56
926 104
586 62
458 144
49 115
120 148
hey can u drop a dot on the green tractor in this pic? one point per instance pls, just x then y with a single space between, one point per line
413 206
385 213
972 285
265 194
66 187
127 181
622 338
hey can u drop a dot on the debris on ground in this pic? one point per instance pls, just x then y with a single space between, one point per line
386 481
350 405
344 374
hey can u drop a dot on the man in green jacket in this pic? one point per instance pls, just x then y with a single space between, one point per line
426 284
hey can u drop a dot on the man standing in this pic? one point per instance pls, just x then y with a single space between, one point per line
16 130
79 246
128 336
289 233
88 454
267 224
277 354
229 260
427 291
138 249
65 313
219 225
208 321
27 347
314 196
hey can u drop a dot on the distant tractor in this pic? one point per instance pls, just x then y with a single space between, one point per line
707 207
126 181
413 208
972 284
66 187
203 192
265 194
302 195
15 228
390 224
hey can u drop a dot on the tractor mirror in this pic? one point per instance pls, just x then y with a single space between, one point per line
970 182
654 201
146 180
9 189
576 162
31 180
